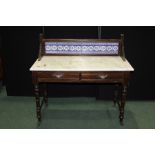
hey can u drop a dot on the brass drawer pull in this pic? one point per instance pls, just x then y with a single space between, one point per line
103 76
58 75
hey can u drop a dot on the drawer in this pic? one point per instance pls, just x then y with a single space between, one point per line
102 75
59 75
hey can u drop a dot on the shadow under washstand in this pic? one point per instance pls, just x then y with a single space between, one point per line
86 119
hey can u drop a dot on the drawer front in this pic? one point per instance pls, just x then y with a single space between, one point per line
102 75
59 75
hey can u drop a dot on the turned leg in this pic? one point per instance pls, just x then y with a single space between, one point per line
122 105
116 100
38 106
45 97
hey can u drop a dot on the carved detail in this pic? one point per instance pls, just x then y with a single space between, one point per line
40 47
45 98
116 99
122 105
38 107
122 47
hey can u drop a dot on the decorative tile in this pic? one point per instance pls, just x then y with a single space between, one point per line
88 48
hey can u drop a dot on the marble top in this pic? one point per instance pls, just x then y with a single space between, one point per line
81 63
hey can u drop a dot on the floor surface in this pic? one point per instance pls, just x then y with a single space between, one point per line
74 113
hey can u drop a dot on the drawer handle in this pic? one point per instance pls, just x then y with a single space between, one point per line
58 75
103 76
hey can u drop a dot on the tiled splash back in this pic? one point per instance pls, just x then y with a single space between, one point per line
85 48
